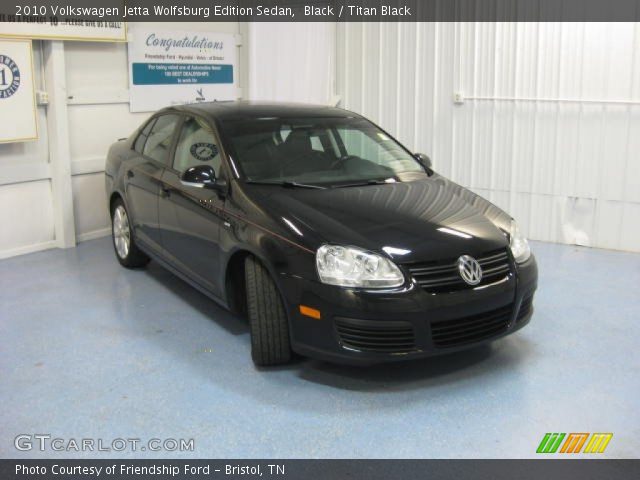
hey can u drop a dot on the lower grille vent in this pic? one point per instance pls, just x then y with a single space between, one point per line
373 336
453 333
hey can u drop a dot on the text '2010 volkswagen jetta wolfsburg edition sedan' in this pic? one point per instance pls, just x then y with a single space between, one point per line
332 238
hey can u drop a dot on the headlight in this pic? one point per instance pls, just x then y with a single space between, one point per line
352 267
518 244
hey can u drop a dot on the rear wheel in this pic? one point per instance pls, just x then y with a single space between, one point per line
127 252
267 317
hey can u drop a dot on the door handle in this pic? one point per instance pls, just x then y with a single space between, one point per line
130 174
165 191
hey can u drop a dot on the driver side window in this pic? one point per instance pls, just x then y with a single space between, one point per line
360 145
197 146
158 142
381 150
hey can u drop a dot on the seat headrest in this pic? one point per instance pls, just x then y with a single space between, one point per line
298 141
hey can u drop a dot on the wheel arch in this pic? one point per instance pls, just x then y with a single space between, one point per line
234 278
112 201
234 283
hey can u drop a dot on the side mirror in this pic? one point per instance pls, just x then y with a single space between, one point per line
202 176
424 160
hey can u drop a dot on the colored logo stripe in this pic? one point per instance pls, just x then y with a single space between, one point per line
550 443
574 442
598 442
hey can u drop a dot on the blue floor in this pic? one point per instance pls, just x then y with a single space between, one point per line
91 350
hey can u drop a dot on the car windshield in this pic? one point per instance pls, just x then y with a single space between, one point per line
317 151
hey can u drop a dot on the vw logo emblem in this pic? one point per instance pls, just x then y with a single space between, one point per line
469 269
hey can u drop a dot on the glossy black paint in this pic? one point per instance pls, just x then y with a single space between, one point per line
190 233
202 233
203 175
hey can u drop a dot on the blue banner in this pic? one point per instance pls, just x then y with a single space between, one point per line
180 73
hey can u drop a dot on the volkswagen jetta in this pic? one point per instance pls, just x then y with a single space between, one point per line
332 238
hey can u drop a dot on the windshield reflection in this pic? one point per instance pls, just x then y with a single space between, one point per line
340 151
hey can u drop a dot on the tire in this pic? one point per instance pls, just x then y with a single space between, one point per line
268 324
124 245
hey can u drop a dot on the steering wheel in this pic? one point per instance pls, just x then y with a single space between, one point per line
340 161
285 164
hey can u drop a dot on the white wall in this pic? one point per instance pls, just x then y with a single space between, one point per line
292 62
94 83
98 112
27 208
552 135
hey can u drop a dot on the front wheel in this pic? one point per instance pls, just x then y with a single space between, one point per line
267 317
127 252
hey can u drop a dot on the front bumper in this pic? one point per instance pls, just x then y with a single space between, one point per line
366 327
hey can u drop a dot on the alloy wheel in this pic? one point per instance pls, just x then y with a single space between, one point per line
121 232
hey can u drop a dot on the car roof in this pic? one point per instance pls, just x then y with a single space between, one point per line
242 109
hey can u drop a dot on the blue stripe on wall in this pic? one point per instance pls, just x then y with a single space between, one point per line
180 73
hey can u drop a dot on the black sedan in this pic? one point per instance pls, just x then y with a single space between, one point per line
330 236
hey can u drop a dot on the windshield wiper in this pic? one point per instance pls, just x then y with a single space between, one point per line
286 184
362 184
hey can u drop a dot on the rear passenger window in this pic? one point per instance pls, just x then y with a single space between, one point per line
142 138
197 146
159 140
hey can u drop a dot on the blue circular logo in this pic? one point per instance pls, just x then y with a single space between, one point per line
9 77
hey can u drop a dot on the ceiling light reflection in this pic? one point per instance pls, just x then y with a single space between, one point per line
457 233
293 227
396 251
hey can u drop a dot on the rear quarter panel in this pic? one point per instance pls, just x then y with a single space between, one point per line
118 153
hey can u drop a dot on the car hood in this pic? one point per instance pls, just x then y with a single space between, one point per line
421 220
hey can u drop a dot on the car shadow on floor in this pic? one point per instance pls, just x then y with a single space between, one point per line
453 368
395 376
401 375
206 306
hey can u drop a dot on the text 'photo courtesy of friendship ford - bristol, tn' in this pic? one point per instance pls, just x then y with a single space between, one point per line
333 239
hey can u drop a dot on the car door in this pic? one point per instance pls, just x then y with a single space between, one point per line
142 178
191 217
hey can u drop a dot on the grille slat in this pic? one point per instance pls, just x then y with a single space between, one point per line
495 270
473 336
471 329
459 326
440 281
372 332
377 338
437 269
389 346
493 258
374 336
444 277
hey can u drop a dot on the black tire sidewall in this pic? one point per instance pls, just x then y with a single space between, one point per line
268 320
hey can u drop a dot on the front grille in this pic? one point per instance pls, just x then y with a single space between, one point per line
452 333
525 307
374 336
443 276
